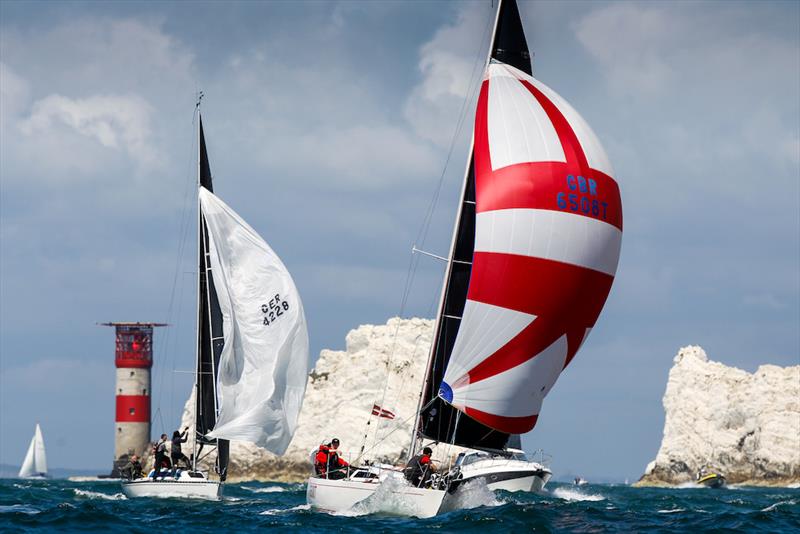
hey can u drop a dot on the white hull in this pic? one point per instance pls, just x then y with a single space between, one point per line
507 474
392 496
185 487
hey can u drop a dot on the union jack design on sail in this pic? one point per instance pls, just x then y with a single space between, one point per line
548 231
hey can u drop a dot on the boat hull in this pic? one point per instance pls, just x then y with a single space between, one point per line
184 487
338 496
712 481
507 475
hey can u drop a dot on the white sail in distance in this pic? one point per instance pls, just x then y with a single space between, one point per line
35 462
264 364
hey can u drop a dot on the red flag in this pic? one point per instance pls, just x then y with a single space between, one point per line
380 412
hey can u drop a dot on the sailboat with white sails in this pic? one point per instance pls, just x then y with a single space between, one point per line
532 260
252 347
34 466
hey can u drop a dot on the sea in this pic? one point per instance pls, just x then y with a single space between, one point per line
99 506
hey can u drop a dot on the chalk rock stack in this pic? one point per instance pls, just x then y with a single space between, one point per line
745 425
341 391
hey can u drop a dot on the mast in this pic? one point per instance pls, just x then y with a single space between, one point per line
209 327
436 419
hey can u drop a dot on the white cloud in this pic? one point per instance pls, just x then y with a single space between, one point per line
14 93
118 122
451 64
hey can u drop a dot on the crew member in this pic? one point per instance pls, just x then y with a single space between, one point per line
133 469
328 464
175 450
160 455
420 468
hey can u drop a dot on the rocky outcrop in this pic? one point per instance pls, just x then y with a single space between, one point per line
745 425
382 365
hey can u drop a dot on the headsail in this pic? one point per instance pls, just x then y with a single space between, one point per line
264 364
543 216
209 329
35 462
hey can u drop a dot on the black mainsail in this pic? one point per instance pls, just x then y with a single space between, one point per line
438 420
209 331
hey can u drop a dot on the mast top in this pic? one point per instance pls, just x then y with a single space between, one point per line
509 45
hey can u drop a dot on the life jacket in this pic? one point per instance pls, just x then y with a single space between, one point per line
321 459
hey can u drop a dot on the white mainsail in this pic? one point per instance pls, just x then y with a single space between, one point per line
264 364
35 462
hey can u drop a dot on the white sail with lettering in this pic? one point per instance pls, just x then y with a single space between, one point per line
264 363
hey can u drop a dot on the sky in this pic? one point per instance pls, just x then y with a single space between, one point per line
332 128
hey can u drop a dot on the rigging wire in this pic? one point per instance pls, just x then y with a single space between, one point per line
422 234
170 342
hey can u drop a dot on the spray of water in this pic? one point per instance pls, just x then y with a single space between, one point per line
472 494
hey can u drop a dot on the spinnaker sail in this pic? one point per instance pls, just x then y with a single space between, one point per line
534 254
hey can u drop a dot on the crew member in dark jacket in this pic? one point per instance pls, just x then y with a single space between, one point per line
160 455
175 451
420 468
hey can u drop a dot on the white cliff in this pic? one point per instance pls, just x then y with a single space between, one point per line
341 391
746 425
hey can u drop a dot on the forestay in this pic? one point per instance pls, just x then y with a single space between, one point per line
264 362
548 231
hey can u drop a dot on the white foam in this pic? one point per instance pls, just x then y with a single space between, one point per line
386 499
97 495
268 489
773 506
569 494
472 494
18 509
672 511
276 511
794 485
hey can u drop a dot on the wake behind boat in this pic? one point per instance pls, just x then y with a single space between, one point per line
252 348
532 259
34 466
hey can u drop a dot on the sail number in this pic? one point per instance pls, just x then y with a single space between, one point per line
581 200
274 309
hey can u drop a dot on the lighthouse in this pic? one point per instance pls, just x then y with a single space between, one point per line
133 359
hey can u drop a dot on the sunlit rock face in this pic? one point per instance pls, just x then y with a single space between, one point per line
341 391
746 425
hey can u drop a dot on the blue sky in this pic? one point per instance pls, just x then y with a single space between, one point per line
329 125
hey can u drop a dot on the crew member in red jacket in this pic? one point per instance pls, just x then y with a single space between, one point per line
327 462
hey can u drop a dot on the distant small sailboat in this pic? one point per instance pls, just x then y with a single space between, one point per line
35 464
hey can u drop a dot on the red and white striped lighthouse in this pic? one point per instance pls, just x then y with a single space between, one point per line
133 358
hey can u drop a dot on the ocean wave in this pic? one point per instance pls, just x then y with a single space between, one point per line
778 504
569 494
275 511
268 489
18 509
671 511
97 495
